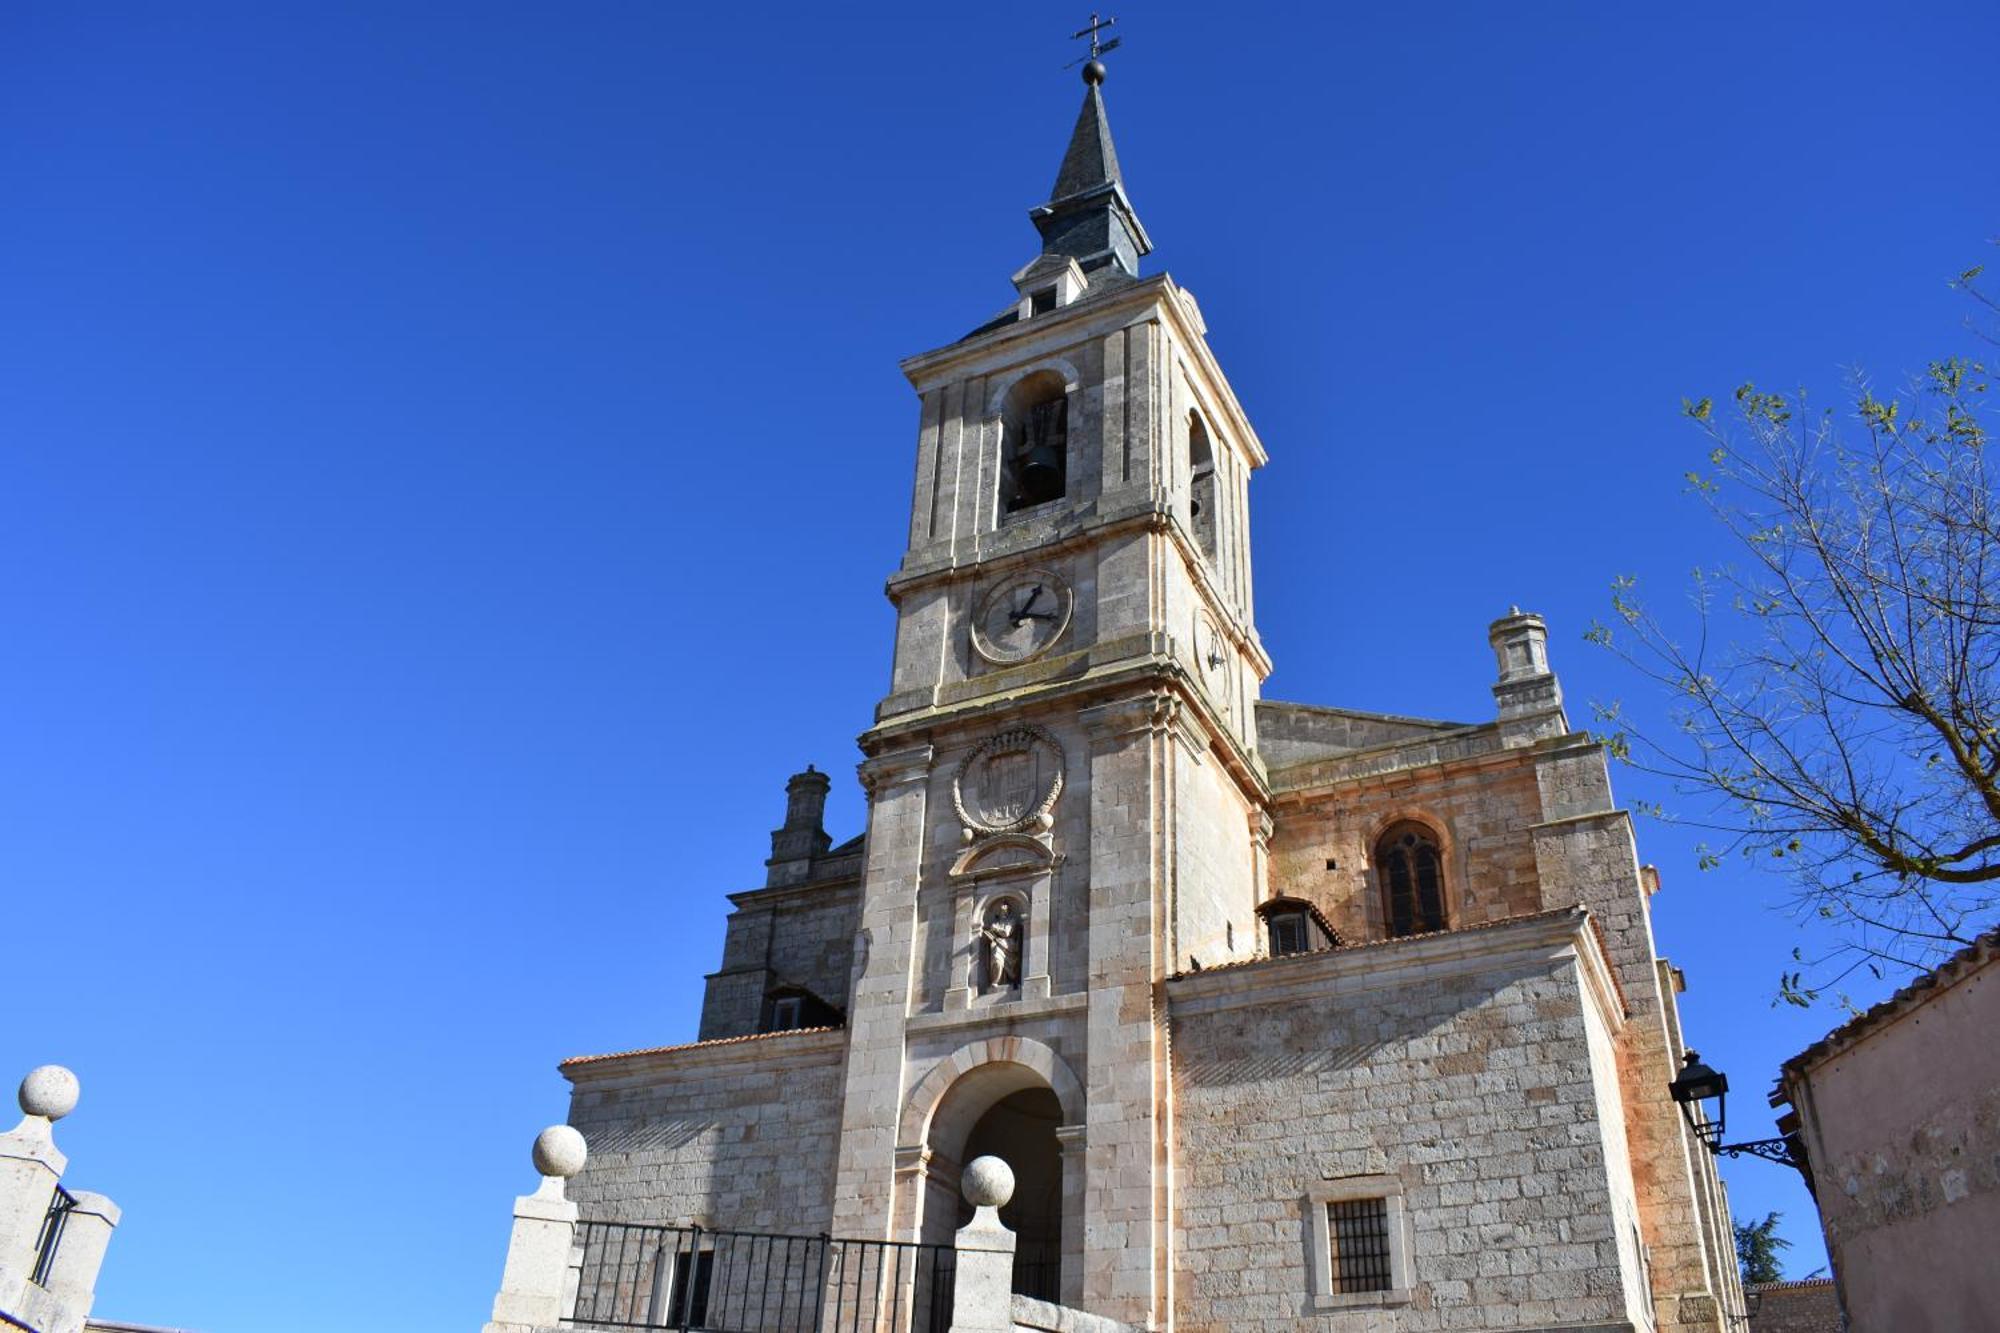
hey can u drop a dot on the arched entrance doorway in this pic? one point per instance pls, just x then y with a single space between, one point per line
1015 1099
1020 1130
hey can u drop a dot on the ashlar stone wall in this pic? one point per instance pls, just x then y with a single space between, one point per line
795 936
1482 808
1460 1067
734 1134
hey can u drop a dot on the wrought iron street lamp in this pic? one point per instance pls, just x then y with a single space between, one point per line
1695 1088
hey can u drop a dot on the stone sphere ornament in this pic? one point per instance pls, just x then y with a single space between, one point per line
559 1151
49 1091
987 1182
1093 73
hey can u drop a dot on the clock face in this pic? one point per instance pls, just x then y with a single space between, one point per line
1021 616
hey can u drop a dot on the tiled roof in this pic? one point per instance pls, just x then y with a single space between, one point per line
576 1060
1960 965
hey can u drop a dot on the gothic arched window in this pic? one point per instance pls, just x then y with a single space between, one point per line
1201 471
1034 442
1411 871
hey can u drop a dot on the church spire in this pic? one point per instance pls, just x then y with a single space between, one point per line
1088 218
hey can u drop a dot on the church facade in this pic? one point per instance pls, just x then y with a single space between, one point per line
1285 1016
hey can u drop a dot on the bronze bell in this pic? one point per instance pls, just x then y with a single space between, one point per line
1042 474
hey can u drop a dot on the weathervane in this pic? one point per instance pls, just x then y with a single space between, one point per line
1093 72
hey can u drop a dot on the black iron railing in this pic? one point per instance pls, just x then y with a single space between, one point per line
635 1275
60 1206
1038 1272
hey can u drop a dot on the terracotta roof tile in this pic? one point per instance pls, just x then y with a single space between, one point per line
575 1060
1550 914
1970 959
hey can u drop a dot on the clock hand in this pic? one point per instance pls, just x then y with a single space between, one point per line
1022 612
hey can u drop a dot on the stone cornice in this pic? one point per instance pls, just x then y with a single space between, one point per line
1416 960
1095 315
1002 1019
801 1049
1166 674
1477 745
889 768
784 895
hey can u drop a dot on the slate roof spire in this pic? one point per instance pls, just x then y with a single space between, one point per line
1088 217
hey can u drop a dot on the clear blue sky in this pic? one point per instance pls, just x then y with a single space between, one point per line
450 455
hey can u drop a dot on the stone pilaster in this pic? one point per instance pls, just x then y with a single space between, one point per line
897 784
1074 1140
1585 854
536 1286
31 1166
1127 1205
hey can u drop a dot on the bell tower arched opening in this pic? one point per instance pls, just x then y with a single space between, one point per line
1201 485
1034 442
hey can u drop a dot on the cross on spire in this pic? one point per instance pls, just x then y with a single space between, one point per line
1093 72
1088 218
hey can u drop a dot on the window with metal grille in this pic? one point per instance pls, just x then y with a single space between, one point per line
1358 1248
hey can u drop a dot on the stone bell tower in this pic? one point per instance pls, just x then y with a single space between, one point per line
1065 806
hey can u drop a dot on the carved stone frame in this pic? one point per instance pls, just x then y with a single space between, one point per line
1036 820
1008 865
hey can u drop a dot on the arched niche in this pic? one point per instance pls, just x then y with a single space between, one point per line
1010 867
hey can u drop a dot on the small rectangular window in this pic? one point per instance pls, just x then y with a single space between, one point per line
786 1014
1358 1231
1042 301
1360 1237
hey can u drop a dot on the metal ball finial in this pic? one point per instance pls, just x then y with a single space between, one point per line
1093 72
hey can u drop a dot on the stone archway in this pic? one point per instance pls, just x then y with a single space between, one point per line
1015 1098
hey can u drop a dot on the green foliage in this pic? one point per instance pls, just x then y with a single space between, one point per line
1757 1246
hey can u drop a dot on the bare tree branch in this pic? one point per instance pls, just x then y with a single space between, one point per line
1840 704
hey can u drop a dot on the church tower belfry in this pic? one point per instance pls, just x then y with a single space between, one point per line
1065 800
1277 1011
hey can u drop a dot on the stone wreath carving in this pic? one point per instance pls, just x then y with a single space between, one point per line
1009 783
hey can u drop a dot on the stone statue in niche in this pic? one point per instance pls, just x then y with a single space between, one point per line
1001 933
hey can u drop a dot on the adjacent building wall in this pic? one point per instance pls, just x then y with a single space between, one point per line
1809 1306
1901 1122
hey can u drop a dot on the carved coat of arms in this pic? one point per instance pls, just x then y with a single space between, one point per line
1009 783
